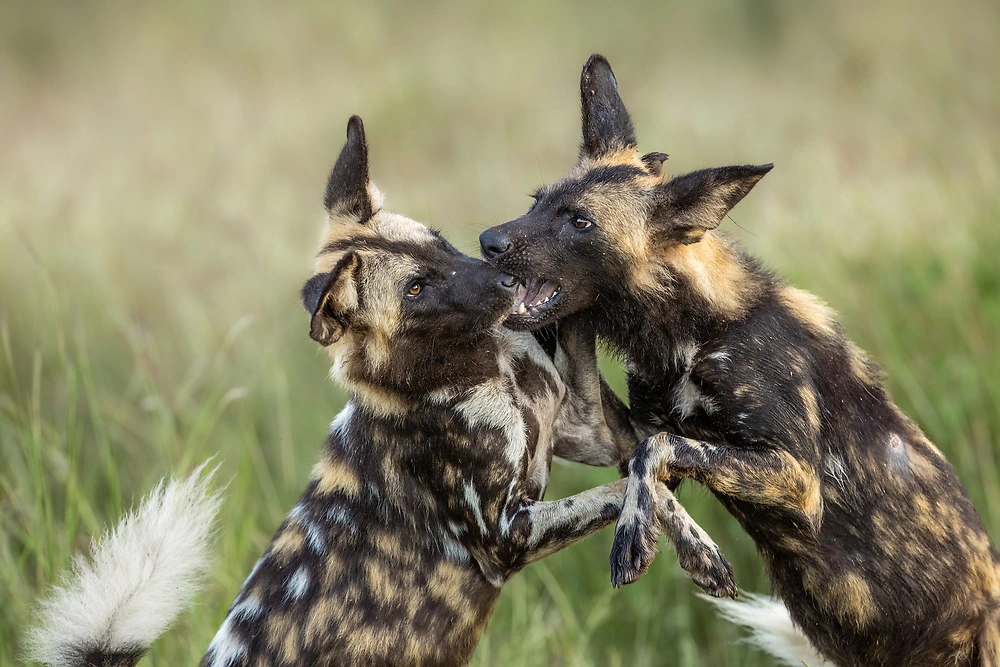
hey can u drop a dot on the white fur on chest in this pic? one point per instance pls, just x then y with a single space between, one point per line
687 398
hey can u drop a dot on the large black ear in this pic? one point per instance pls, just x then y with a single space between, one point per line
693 203
330 298
347 190
606 123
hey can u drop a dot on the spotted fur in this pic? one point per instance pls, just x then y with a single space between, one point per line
751 388
427 497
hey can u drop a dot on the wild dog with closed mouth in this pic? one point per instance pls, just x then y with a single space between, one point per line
427 496
750 387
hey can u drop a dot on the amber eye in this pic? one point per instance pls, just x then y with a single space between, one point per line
415 288
582 223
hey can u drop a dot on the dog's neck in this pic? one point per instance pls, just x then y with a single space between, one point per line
421 373
698 290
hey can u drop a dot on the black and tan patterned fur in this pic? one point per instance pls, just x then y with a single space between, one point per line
427 496
750 387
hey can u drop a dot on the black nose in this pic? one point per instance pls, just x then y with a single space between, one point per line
493 243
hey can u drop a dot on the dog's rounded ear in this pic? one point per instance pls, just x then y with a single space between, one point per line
607 126
347 191
331 298
689 205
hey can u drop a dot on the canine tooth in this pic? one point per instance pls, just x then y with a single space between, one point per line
521 310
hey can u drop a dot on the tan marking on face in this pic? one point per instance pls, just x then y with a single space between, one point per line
621 210
383 285
622 157
334 476
380 277
395 227
714 271
811 405
810 310
325 261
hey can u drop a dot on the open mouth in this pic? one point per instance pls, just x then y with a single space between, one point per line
535 298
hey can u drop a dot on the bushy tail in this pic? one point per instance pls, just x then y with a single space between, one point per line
772 629
141 575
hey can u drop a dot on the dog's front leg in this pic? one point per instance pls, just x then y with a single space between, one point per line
554 525
592 426
557 524
764 476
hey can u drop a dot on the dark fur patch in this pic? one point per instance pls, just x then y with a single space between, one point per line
347 187
606 124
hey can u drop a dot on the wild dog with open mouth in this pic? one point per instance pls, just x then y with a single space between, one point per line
750 387
427 496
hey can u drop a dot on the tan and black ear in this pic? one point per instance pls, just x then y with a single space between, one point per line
691 204
347 190
607 126
331 298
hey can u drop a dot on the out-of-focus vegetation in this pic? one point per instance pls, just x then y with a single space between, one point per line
161 175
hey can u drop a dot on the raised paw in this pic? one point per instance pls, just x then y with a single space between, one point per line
701 558
636 534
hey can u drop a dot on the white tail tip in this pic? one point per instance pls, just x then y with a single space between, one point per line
140 577
772 630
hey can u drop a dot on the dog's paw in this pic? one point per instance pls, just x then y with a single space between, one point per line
707 567
633 550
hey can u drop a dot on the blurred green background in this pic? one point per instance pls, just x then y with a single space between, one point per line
161 177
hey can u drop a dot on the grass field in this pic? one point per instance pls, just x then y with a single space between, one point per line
161 174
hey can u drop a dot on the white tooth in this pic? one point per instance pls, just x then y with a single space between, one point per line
521 310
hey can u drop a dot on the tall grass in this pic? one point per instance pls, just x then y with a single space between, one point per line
161 168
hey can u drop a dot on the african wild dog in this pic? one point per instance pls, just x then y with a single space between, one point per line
427 496
750 387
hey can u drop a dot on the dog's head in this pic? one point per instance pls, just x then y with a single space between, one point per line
388 293
614 221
